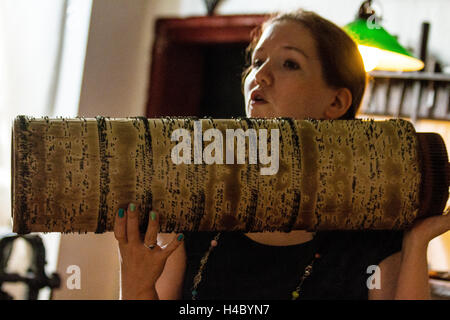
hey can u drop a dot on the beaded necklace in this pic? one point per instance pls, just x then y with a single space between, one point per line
198 277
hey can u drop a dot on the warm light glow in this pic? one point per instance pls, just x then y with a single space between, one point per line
369 56
379 59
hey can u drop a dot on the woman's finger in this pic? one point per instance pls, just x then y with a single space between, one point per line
151 234
120 227
175 243
133 224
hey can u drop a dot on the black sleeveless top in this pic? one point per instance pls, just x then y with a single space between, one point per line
240 268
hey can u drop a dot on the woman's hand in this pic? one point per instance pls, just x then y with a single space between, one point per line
140 265
425 230
413 282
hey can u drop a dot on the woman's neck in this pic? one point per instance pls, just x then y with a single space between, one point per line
281 238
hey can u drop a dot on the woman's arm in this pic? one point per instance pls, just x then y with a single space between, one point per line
412 281
389 269
404 275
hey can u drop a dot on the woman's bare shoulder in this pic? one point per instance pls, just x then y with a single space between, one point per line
170 284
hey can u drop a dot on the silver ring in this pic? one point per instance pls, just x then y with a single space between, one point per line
151 246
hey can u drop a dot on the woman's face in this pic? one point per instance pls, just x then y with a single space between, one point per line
286 79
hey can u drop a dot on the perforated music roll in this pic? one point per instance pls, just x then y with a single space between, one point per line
252 175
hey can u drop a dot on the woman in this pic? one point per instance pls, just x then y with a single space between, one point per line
302 66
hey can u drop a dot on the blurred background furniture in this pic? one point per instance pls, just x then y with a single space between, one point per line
35 278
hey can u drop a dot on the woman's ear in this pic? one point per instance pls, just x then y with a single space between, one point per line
341 103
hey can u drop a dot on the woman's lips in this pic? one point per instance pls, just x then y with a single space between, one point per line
254 103
257 98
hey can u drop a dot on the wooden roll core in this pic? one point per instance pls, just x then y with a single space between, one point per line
73 175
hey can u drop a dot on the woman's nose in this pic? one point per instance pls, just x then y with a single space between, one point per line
264 75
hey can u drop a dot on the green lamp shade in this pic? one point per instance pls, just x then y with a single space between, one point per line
379 49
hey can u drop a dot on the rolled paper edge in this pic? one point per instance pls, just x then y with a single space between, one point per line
17 167
434 166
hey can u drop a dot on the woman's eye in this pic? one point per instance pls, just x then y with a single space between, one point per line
257 63
291 65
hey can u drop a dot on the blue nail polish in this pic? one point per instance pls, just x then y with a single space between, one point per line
121 213
180 237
